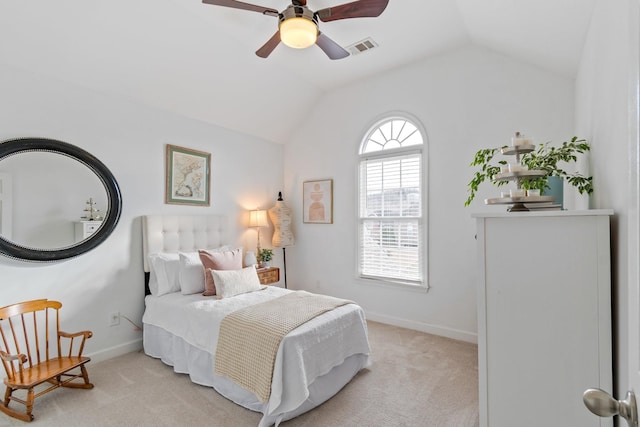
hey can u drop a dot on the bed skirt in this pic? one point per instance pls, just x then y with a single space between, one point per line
198 364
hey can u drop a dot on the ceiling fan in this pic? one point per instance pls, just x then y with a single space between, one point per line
298 26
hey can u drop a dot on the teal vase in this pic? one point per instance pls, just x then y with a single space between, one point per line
555 187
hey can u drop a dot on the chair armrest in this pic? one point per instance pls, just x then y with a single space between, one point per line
72 336
13 364
6 357
87 334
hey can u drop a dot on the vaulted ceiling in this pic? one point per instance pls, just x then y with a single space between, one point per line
198 60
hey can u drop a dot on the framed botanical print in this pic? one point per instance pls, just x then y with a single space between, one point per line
187 176
317 202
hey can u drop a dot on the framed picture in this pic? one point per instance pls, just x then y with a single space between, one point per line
317 202
187 176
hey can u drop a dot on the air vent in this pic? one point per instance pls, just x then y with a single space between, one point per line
362 46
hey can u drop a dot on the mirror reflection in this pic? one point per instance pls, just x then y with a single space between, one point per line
49 196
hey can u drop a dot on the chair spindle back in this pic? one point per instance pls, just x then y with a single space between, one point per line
29 328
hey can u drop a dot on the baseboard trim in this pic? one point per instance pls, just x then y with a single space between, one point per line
442 331
118 350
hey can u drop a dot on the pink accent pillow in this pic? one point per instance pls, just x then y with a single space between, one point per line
227 260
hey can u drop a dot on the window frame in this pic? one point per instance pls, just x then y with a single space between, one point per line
422 150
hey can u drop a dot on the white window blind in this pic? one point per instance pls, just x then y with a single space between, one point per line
390 217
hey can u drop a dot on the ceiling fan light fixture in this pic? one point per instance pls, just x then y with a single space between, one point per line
298 32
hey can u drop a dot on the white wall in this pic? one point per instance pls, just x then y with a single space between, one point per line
130 139
602 115
468 99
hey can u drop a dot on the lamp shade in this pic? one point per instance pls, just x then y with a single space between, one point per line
258 218
298 33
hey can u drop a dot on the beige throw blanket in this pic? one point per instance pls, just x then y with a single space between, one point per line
249 338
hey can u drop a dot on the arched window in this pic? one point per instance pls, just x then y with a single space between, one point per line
392 195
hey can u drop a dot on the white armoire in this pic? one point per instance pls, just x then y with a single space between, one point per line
544 316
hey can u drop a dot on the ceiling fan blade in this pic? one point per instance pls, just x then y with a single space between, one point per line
331 48
268 47
245 6
356 9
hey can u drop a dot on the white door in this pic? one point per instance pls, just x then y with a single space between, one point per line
626 406
634 204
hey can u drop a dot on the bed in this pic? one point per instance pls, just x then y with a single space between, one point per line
313 362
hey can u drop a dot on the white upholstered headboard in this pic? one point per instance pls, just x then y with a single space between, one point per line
184 233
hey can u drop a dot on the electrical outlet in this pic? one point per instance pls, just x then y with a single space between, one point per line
114 318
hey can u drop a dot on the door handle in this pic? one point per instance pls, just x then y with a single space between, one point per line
603 404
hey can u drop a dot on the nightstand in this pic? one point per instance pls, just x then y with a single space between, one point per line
269 275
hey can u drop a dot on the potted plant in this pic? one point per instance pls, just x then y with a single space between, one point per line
264 257
546 158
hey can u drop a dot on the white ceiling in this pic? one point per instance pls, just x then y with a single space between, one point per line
198 60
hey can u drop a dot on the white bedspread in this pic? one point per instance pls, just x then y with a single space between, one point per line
306 353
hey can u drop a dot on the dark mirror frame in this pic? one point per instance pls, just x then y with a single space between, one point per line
114 199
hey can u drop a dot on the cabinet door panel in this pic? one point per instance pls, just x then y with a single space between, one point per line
543 303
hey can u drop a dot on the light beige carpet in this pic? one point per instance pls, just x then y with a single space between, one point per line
415 380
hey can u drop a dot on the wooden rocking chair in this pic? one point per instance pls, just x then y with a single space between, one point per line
27 337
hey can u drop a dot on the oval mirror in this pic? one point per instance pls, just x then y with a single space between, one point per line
41 167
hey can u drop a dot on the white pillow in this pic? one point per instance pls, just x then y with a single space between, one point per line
153 280
235 282
191 272
164 266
